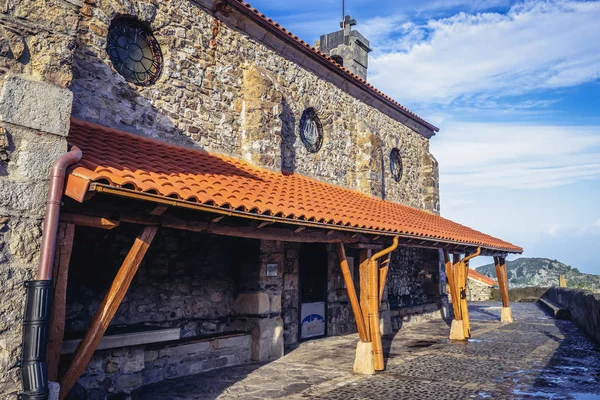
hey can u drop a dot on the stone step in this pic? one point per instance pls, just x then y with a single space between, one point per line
556 310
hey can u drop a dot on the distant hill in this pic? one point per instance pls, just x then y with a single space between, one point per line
542 272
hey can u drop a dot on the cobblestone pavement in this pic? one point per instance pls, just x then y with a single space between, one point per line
536 357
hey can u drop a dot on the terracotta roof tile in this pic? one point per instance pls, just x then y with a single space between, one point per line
251 11
133 162
473 274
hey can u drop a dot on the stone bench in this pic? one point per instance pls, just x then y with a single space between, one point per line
124 369
557 311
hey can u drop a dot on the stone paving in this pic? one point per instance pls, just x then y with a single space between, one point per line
536 357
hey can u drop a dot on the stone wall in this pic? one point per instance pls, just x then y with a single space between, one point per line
223 91
583 305
120 371
36 53
414 277
187 280
478 291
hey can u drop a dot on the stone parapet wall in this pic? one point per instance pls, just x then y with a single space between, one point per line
583 305
120 371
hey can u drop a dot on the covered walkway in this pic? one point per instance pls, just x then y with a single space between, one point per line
536 357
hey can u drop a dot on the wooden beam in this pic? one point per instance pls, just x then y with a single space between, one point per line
89 221
62 258
364 256
358 315
263 224
107 309
300 229
159 210
383 272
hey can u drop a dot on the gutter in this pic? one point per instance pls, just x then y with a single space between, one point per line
36 318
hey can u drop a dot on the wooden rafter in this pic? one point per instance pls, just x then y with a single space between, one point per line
107 309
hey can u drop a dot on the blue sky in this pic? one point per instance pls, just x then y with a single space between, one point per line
514 87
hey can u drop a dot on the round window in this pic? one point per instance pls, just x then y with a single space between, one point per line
396 164
311 130
134 52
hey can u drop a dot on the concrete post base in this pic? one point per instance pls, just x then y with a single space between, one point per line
363 363
506 315
456 330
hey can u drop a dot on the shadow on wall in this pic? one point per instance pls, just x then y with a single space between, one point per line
288 138
98 91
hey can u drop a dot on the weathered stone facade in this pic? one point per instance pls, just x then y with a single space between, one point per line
223 90
37 40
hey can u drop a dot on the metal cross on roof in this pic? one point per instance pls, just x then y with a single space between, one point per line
348 20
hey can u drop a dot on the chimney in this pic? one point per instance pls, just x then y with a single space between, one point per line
347 47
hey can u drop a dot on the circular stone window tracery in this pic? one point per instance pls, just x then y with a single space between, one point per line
396 164
311 130
134 52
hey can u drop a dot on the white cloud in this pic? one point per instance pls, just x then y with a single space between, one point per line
537 44
553 230
516 156
597 223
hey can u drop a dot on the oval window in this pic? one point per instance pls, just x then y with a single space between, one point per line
311 130
134 52
396 164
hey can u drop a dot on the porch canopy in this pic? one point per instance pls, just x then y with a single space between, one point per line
291 205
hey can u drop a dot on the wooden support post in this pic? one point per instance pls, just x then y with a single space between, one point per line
364 256
373 298
457 329
383 272
506 314
64 249
107 310
358 316
464 305
453 290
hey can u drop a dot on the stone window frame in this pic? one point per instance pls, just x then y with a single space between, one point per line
154 71
396 160
310 114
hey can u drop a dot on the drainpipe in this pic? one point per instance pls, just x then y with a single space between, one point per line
36 318
374 305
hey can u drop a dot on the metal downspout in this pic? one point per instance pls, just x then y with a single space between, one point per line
36 317
374 305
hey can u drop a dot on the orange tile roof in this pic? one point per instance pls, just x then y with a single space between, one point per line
473 274
128 161
295 40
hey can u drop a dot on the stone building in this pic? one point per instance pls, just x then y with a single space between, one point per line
479 286
220 183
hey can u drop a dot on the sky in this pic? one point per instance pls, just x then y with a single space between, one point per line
514 87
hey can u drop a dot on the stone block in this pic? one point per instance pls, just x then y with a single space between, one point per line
184 349
23 197
276 304
127 383
36 105
363 362
267 339
37 155
252 304
134 361
235 341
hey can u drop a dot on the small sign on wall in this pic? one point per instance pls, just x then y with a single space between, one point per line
312 317
272 269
